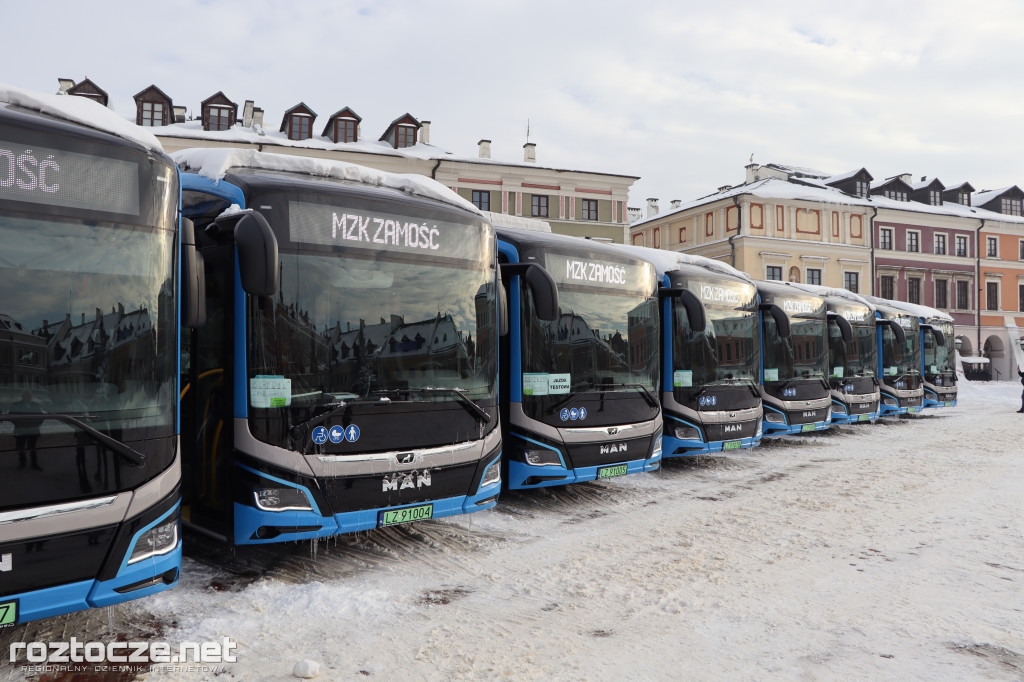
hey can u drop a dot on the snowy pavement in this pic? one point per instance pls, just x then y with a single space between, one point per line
887 551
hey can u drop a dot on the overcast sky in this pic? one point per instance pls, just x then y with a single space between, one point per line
677 92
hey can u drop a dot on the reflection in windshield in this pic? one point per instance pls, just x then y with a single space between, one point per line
940 359
86 321
802 355
342 328
726 350
597 339
901 359
856 359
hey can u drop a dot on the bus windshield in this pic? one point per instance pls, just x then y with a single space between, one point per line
802 355
940 359
724 353
897 359
857 358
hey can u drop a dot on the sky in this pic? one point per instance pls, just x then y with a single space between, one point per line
679 93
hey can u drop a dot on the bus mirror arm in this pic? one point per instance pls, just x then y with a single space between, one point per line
502 309
780 317
844 326
940 338
541 284
694 308
193 278
897 330
257 254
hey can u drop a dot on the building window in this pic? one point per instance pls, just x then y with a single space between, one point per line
345 129
814 276
539 206
657 238
965 198
299 127
405 136
885 238
992 295
961 246
482 199
1021 247
887 286
935 197
940 244
913 241
895 195
914 290
851 280
863 189
220 118
1010 206
589 209
963 301
773 273
992 247
941 291
1020 297
152 114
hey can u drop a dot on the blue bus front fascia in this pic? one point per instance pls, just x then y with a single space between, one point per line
888 410
519 471
698 446
249 519
931 399
87 594
845 417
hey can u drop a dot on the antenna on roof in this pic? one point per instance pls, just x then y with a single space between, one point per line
527 130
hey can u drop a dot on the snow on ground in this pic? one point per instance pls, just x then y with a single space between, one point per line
886 551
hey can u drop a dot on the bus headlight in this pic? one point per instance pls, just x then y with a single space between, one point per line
158 540
543 458
492 474
281 499
839 409
757 434
657 448
774 418
828 414
889 402
687 433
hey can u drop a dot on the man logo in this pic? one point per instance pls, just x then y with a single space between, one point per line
406 457
6 563
733 428
810 413
613 448
612 430
404 480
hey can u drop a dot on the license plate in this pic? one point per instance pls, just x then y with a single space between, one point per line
913 409
864 418
8 613
393 517
807 427
948 403
732 445
609 472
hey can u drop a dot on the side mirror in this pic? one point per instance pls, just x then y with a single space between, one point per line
541 284
694 310
940 338
780 317
845 328
503 314
897 330
193 278
257 254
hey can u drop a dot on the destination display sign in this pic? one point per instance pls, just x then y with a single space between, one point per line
855 313
589 271
58 177
384 231
731 295
801 306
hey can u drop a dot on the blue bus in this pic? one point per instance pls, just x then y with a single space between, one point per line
346 376
938 354
852 354
710 354
899 358
579 366
89 258
794 360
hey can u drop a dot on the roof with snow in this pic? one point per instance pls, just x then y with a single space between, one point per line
214 163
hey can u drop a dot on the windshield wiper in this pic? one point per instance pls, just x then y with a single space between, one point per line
464 400
296 430
131 455
648 396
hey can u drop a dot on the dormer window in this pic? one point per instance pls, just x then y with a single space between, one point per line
344 129
965 198
935 198
219 118
863 188
1010 206
300 127
152 114
153 108
895 195
405 136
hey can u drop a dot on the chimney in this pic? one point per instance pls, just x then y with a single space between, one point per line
530 152
752 175
247 114
906 177
65 84
257 117
652 207
676 203
424 132
179 114
485 149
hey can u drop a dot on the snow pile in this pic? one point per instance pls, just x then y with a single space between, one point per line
81 110
214 163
